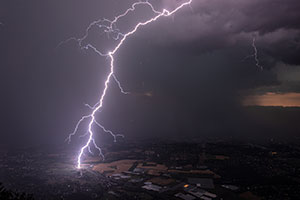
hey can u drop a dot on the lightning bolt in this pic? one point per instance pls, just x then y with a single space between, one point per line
111 30
255 55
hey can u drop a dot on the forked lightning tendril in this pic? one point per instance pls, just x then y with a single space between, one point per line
255 55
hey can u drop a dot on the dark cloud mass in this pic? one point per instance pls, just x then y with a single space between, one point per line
187 73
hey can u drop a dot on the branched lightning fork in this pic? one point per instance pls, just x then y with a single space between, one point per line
109 27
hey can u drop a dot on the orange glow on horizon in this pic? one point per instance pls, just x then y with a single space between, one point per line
273 99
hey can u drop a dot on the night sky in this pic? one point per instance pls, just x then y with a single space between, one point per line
187 74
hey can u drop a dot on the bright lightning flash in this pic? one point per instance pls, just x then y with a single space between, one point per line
111 30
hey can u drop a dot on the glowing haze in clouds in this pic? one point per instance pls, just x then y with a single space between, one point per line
274 99
109 27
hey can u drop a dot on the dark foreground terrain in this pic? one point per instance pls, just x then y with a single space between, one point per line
214 169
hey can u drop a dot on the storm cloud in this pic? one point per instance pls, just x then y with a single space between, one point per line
191 65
